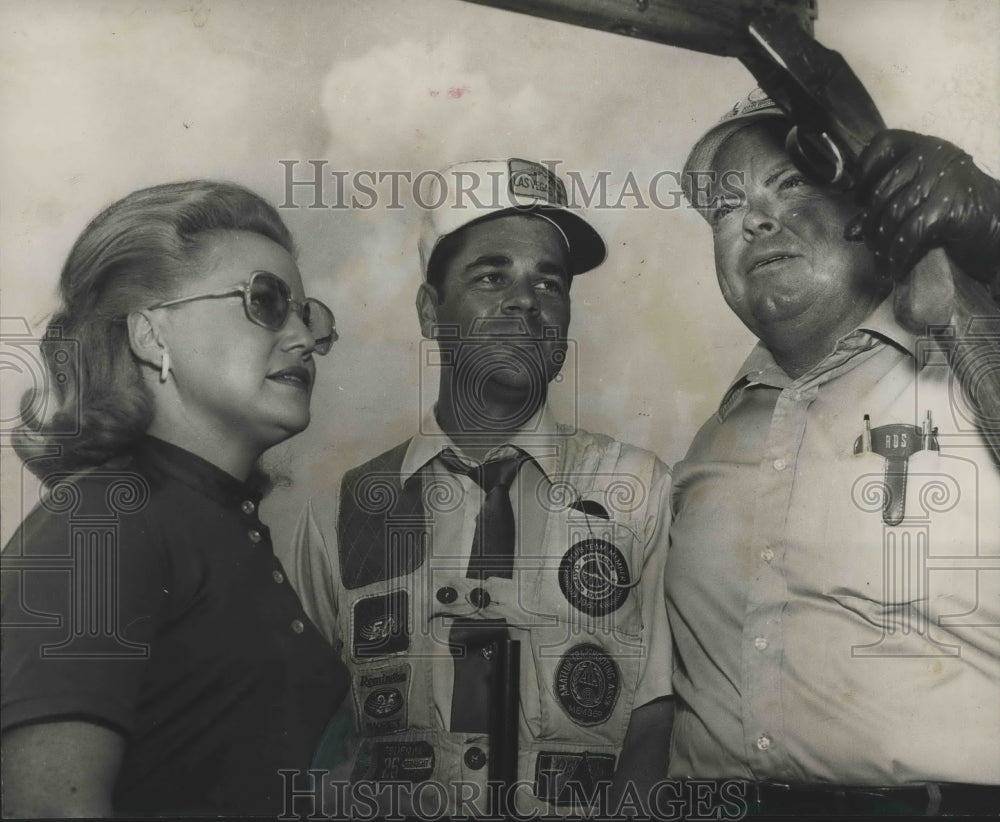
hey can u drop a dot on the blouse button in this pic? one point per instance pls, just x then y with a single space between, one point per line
298 626
277 576
247 507
446 595
254 535
763 742
767 555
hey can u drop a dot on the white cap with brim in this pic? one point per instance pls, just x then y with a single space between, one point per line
699 166
467 193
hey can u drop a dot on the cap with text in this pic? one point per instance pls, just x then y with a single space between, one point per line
699 165
467 193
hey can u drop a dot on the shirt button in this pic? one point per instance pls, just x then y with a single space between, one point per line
254 535
446 595
277 576
479 597
767 555
779 464
247 507
475 758
763 742
760 643
298 626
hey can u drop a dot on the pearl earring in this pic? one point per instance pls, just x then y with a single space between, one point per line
164 366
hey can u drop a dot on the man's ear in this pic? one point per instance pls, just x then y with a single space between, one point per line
145 340
427 303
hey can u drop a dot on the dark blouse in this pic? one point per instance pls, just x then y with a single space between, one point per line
145 596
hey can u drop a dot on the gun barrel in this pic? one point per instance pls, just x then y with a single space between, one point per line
710 26
504 725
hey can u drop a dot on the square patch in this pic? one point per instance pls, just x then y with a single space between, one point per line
382 696
528 179
565 778
402 761
380 625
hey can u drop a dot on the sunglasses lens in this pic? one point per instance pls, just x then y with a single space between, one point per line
320 322
268 303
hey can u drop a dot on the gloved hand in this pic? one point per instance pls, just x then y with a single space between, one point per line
922 192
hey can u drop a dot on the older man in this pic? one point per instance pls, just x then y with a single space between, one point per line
833 582
494 581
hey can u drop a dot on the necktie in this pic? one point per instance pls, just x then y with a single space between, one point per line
477 704
493 545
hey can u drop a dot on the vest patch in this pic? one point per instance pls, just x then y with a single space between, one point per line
381 696
572 778
411 761
594 577
587 684
380 625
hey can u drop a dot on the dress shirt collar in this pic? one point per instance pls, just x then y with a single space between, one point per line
882 323
537 438
761 369
195 472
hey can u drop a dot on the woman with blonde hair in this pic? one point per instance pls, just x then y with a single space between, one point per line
155 659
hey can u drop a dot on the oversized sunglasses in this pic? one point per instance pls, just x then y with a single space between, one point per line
267 301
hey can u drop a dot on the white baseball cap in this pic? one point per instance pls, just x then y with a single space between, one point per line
465 193
754 106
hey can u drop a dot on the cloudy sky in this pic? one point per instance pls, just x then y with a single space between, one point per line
103 97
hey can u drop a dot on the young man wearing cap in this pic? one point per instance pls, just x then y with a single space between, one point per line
833 582
494 582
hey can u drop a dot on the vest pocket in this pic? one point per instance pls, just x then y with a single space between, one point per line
586 686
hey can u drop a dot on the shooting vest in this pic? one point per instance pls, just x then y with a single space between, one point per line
573 603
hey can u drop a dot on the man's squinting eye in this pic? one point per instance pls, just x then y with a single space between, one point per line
793 180
552 285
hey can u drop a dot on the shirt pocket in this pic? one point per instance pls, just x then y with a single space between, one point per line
887 561
894 574
867 556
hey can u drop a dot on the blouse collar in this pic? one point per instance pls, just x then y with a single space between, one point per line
196 472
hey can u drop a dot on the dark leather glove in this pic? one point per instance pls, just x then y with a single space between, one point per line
922 192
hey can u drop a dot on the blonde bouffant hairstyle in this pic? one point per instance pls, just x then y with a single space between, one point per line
138 251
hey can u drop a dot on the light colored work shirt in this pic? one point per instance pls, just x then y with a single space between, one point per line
815 640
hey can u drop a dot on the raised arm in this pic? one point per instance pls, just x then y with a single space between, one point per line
930 211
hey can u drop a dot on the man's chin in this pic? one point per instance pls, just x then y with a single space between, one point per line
514 384
504 402
779 308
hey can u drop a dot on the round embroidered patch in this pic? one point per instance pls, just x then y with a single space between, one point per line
587 684
383 702
594 577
